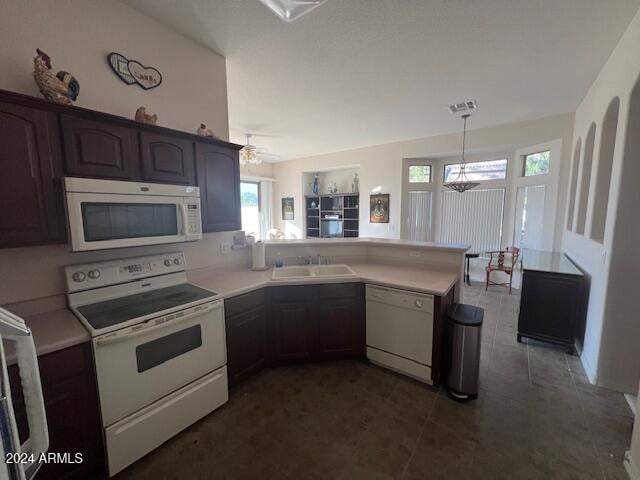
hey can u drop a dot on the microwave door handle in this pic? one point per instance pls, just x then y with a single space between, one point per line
185 218
119 337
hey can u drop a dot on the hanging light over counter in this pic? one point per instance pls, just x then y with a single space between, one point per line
462 183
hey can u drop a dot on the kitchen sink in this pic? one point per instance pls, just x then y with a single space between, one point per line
290 272
311 271
331 270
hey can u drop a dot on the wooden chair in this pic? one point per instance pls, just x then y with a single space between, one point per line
497 264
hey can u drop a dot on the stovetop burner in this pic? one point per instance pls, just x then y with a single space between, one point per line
108 313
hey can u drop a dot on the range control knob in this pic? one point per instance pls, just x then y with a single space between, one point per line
167 262
93 274
177 260
78 277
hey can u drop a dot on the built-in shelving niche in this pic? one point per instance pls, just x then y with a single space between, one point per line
332 216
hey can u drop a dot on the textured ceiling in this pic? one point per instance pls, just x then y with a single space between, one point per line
362 72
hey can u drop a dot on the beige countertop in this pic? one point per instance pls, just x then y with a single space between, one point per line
58 329
233 282
365 241
52 331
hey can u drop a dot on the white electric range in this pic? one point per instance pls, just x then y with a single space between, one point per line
159 347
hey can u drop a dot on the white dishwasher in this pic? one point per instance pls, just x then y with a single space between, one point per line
400 331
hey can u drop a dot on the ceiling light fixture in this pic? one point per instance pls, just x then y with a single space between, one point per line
249 153
290 10
461 184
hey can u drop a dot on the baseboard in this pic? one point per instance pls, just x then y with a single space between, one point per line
591 375
632 401
631 467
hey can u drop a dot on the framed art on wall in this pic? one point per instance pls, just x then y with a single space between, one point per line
287 208
379 208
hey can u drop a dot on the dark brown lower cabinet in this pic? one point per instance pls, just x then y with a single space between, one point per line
341 320
246 330
73 416
292 324
316 322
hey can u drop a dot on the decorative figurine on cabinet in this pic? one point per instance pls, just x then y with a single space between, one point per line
203 131
316 185
60 88
143 117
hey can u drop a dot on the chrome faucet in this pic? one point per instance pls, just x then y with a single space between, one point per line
306 260
322 260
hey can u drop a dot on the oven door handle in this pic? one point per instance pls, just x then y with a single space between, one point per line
128 334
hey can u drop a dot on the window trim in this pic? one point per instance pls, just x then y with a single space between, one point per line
419 165
506 170
524 164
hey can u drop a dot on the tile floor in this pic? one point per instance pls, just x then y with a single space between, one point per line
537 417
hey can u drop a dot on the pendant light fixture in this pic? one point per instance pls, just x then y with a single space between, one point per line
249 153
290 10
461 184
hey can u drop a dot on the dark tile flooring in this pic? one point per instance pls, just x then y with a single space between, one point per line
537 417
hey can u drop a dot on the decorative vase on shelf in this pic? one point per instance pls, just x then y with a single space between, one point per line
355 183
315 188
333 188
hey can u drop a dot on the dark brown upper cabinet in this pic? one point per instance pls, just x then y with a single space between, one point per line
30 194
99 150
167 159
41 141
219 182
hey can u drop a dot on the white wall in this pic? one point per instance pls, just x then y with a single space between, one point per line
381 166
264 170
342 177
79 34
37 272
611 352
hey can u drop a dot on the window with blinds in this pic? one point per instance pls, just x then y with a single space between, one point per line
473 217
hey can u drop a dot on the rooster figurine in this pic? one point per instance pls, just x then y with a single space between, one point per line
61 88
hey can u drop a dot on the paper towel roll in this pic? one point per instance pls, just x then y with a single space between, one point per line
258 256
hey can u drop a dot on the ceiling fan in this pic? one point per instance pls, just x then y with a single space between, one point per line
252 155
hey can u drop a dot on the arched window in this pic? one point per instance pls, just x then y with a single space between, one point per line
605 165
585 179
574 183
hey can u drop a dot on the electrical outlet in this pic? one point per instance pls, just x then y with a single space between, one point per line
225 247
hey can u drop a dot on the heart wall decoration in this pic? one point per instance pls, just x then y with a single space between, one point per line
132 71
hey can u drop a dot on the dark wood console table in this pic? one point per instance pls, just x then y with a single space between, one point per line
554 300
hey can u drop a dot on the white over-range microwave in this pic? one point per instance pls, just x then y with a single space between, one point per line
113 214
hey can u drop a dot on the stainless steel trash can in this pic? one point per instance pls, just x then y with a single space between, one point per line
465 335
